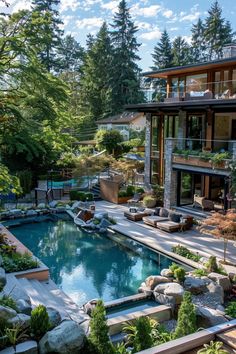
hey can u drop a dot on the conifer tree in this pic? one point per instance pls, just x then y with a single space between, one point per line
50 35
218 32
198 42
126 81
70 54
187 322
162 55
180 52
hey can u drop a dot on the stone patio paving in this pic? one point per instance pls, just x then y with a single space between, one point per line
164 241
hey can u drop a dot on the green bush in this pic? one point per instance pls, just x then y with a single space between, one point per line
212 266
143 338
122 194
8 301
139 190
187 320
16 262
200 272
231 309
149 201
89 196
78 195
39 321
99 337
213 348
173 267
185 252
179 274
73 195
130 191
25 178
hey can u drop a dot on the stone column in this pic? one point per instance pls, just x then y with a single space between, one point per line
170 186
182 129
234 150
147 168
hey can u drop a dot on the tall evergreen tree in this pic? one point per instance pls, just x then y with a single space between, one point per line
180 52
95 86
126 80
70 55
162 55
50 34
218 31
198 42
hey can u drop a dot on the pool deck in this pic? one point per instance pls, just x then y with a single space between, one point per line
163 241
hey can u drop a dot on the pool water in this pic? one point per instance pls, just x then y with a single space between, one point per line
87 266
130 307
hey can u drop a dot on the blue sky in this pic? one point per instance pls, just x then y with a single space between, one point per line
152 17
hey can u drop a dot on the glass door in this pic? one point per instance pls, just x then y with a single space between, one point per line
189 184
194 132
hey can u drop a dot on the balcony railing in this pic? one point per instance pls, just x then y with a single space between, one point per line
194 91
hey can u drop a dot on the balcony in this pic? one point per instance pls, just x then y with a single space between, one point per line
223 90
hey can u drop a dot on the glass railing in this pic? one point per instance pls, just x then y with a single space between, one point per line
193 91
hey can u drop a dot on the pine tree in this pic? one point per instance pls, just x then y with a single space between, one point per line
126 80
186 323
70 55
180 52
198 42
162 55
50 36
218 31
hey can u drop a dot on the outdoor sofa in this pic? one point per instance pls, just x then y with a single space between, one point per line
169 220
137 215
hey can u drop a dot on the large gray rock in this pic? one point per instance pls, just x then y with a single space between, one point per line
222 280
1 260
217 290
54 317
208 317
31 213
28 347
153 280
67 338
23 306
6 313
17 293
21 319
165 300
166 272
171 289
195 285
3 280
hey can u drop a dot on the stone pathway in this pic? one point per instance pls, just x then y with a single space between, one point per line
164 241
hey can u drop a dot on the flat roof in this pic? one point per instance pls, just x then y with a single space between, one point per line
176 70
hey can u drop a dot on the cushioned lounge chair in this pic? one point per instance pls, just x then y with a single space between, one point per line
152 220
136 199
138 216
168 225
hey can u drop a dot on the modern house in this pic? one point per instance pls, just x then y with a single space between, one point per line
124 122
191 134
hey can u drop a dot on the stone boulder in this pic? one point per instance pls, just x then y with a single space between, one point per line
222 280
28 347
89 306
54 317
165 300
6 313
23 306
67 338
20 319
195 285
1 260
166 272
3 280
217 291
31 213
171 289
207 317
153 280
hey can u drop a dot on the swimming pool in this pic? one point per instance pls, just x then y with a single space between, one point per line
87 266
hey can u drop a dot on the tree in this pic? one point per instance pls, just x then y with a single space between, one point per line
187 322
49 36
8 183
162 55
99 331
221 225
108 140
126 73
70 55
180 52
218 32
198 42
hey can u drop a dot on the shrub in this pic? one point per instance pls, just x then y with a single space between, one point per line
122 194
149 201
139 190
16 262
39 321
89 196
78 195
185 252
200 272
7 300
15 334
173 267
187 321
99 337
130 191
73 195
25 178
179 274
231 309
212 266
213 348
143 339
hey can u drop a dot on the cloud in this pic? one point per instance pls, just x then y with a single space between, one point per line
69 5
143 25
66 19
167 13
21 5
111 5
190 17
90 23
149 11
149 36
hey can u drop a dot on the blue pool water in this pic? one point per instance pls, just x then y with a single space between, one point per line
88 266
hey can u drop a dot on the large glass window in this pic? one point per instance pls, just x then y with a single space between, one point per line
155 137
155 171
171 126
196 85
177 87
194 132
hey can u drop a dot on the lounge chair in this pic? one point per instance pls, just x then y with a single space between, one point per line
203 203
168 225
136 199
153 220
138 216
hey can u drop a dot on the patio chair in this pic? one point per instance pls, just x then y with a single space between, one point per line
203 203
136 199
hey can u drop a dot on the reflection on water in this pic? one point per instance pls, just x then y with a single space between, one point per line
88 266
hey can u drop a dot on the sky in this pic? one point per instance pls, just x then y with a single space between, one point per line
82 17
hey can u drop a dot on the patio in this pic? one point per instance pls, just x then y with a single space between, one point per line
164 241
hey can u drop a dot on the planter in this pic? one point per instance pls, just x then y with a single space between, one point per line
192 160
123 200
150 203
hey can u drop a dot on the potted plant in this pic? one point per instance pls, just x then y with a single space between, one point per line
149 201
